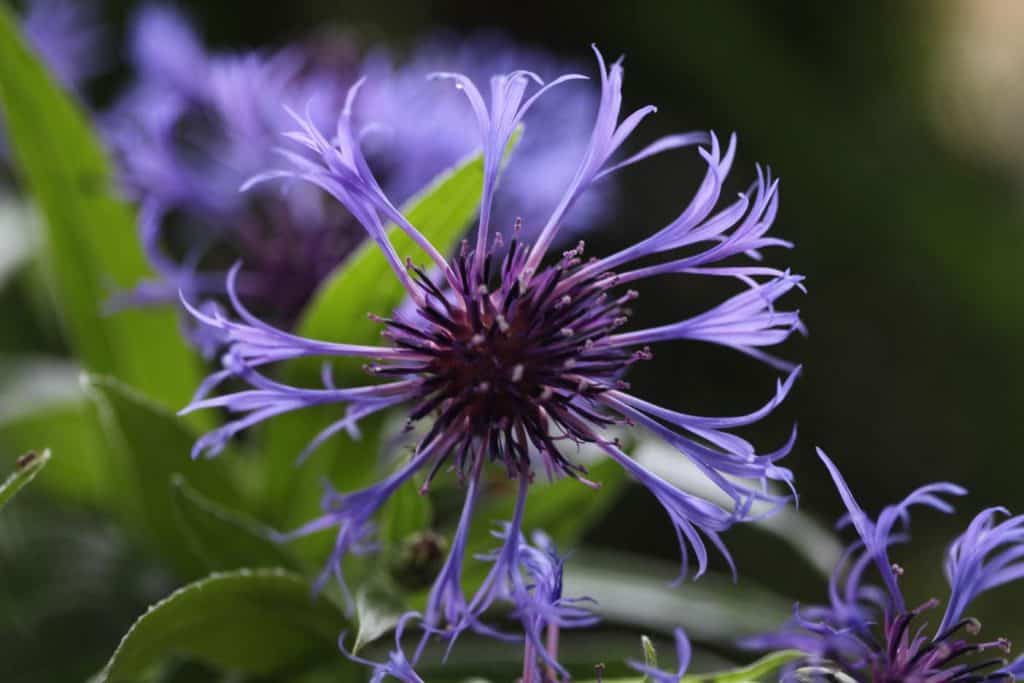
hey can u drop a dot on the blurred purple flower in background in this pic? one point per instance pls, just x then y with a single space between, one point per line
186 135
869 632
197 124
68 35
517 354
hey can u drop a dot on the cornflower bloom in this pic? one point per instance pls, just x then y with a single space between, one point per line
870 633
198 123
189 131
517 361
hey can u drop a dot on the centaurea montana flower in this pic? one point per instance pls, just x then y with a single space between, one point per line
868 631
198 123
191 129
518 361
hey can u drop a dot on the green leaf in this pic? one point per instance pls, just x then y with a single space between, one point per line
757 671
146 446
224 538
338 312
26 469
634 591
92 244
377 613
258 622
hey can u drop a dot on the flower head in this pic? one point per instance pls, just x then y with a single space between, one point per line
197 124
192 128
516 357
870 631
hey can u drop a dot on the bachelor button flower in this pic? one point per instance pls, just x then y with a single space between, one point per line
186 135
869 632
517 358
197 124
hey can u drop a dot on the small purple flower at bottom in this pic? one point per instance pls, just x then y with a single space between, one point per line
869 632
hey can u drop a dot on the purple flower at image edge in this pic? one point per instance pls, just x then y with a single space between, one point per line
869 632
515 351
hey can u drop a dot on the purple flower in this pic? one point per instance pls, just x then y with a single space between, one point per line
197 124
68 36
869 632
516 355
187 134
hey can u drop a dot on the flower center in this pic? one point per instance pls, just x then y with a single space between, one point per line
510 363
941 658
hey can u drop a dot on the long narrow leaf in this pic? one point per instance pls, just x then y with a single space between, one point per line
92 247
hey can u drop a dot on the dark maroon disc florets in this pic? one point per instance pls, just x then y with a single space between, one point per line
512 361
911 657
